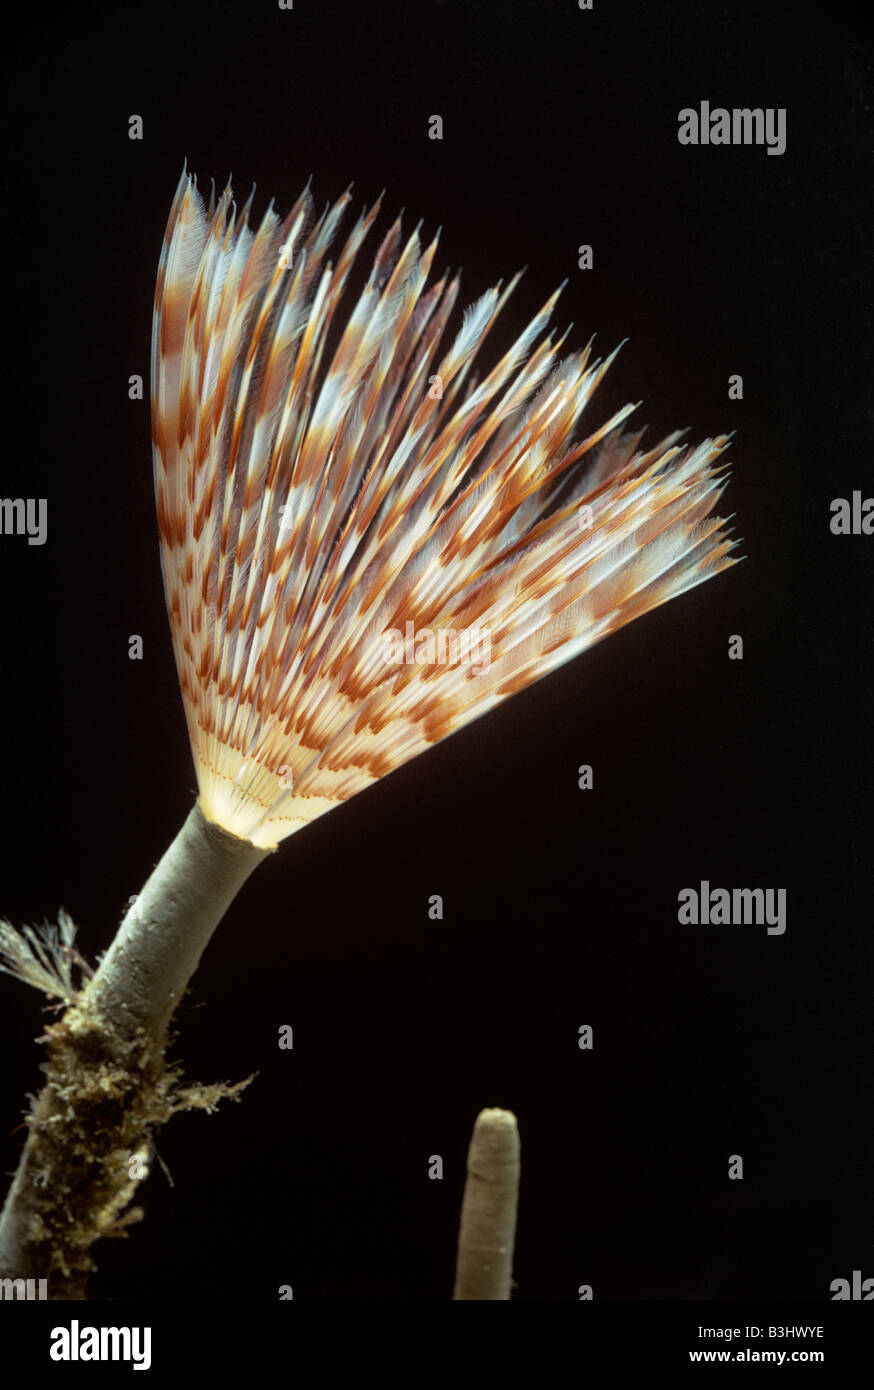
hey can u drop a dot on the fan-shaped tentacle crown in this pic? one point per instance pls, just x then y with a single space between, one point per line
363 548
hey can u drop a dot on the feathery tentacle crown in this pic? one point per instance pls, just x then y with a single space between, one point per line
363 549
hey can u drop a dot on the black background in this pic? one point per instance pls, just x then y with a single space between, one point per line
560 905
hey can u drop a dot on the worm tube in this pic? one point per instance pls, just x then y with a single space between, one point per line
107 1086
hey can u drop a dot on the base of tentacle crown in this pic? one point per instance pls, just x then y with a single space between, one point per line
260 804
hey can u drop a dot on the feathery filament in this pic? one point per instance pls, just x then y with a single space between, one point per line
329 477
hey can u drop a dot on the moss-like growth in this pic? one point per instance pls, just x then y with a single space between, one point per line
91 1131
